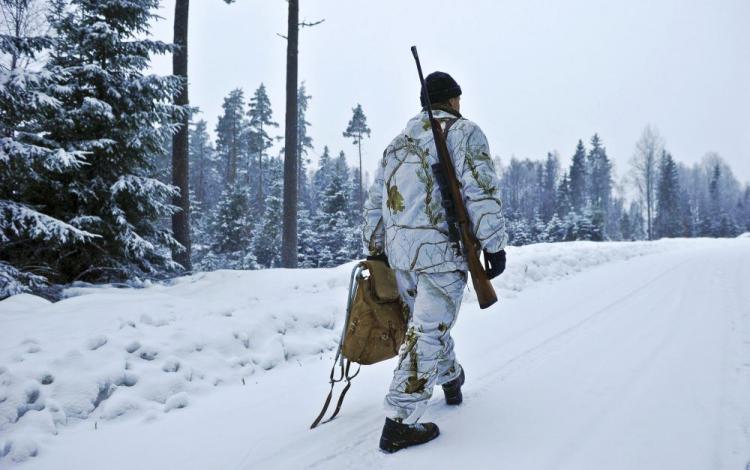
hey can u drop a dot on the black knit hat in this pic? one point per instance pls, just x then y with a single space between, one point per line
441 88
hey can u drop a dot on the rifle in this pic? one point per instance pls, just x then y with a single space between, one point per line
456 213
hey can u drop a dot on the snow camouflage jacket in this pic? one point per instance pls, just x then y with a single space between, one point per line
403 213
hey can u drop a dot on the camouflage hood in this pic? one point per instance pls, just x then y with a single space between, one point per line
403 212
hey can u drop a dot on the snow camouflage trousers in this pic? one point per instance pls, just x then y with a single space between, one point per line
426 358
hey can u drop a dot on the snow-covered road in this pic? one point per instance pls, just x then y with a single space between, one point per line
641 364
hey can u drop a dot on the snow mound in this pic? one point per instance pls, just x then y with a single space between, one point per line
104 353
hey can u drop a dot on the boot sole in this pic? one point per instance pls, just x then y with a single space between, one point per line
454 401
389 447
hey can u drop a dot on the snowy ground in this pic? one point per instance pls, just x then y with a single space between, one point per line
599 355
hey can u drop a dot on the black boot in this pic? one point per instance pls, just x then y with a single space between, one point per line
452 389
397 436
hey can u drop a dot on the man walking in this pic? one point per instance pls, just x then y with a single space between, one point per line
405 222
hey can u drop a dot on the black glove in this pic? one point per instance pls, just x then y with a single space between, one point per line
495 263
381 257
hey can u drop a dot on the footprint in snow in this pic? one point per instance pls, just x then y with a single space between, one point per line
171 365
32 348
96 342
46 378
148 354
176 401
156 321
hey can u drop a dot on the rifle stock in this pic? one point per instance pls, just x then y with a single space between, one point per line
470 245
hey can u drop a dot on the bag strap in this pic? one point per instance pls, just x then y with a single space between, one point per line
344 363
345 366
330 393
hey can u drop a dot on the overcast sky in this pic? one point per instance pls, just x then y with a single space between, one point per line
536 75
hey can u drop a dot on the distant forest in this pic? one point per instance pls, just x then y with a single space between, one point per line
86 140
547 200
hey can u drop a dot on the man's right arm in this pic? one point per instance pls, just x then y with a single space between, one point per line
373 231
481 190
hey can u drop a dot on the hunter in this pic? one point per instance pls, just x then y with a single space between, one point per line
405 224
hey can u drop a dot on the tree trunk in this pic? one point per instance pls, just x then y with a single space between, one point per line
181 220
289 235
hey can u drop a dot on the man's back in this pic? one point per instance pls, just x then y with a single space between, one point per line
403 214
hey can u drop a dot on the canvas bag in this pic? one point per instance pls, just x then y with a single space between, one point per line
374 327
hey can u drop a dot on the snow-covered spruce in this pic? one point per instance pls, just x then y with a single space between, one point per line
81 202
31 162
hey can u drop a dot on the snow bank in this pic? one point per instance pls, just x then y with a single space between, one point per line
107 353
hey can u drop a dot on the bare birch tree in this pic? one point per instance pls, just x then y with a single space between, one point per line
644 171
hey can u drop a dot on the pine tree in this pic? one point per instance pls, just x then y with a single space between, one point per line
231 229
267 233
120 116
578 178
230 131
564 203
204 172
304 145
688 220
261 122
715 213
593 228
206 185
600 180
332 220
626 227
519 232
667 220
356 130
637 222
321 178
307 252
549 187
613 226
555 230
538 229
200 234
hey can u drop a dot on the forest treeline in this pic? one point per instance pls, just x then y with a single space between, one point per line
657 197
85 141
548 200
236 189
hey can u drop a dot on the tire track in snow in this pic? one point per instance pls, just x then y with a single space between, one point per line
566 335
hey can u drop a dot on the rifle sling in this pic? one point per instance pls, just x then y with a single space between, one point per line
449 170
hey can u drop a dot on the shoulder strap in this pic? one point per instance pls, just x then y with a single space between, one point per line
448 126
